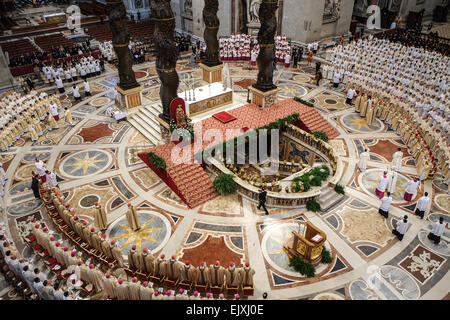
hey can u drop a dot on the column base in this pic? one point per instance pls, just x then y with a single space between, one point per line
264 99
129 99
212 74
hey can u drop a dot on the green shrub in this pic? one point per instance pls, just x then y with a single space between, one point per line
158 162
313 206
326 256
225 184
339 189
316 181
305 268
320 135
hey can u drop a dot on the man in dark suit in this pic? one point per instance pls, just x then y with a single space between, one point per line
262 200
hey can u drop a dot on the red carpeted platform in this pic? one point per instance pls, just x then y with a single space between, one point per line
190 182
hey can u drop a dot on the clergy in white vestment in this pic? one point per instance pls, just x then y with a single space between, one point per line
40 169
397 160
411 189
100 220
392 186
145 292
110 283
422 205
401 227
132 218
51 178
437 230
363 158
382 185
385 205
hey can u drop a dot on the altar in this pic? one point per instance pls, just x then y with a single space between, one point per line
207 98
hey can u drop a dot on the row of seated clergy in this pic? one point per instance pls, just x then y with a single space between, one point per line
96 240
392 105
414 130
172 269
68 258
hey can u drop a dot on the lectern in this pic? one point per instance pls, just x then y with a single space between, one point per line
307 243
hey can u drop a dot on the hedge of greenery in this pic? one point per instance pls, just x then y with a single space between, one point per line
313 206
305 268
320 135
306 103
313 178
225 184
157 161
339 189
278 124
326 256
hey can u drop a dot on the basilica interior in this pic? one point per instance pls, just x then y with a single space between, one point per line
224 150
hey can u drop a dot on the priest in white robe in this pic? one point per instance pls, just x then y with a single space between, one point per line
437 230
411 189
396 164
422 205
363 158
385 205
382 185
40 169
132 218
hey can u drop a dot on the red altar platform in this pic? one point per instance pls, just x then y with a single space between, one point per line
190 182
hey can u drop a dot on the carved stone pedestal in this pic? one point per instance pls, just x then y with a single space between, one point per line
264 99
212 74
253 28
129 99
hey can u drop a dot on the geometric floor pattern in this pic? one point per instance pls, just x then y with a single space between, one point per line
96 161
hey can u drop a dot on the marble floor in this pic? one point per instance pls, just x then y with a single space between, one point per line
96 160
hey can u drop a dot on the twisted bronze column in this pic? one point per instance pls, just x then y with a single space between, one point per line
166 53
212 25
120 39
266 40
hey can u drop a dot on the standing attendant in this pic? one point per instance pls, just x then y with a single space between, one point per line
51 178
401 228
411 189
35 185
437 231
40 168
262 200
397 160
87 88
422 205
382 185
351 93
318 77
385 205
59 84
76 92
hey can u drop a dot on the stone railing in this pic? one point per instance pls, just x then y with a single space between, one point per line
283 199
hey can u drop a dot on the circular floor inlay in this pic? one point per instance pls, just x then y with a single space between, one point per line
85 163
99 102
369 180
331 101
89 201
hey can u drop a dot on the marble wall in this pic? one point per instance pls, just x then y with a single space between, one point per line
303 20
